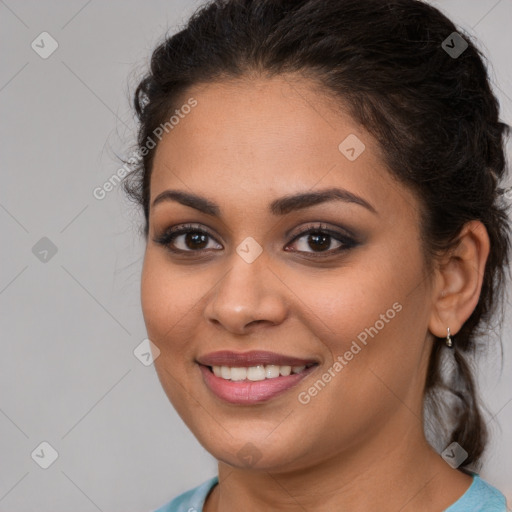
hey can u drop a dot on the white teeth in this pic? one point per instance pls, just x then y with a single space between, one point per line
255 373
285 370
238 373
271 371
225 372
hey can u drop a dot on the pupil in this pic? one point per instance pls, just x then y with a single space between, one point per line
194 239
317 238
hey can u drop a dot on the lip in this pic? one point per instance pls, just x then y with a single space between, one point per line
248 392
252 358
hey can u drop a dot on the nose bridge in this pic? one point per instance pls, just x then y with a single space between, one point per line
247 293
243 286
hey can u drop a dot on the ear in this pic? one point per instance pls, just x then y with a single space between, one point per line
459 278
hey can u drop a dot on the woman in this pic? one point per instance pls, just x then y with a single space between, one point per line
325 234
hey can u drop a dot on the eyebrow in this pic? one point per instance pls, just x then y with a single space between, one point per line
281 206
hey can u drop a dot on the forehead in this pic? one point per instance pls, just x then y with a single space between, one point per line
262 115
256 138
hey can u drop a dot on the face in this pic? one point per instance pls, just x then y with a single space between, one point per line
333 282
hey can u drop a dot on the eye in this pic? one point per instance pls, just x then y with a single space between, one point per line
193 238
320 238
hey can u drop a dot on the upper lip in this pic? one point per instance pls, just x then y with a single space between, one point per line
253 358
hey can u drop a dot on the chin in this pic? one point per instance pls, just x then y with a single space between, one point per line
251 450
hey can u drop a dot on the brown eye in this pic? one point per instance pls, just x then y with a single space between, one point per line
319 239
189 238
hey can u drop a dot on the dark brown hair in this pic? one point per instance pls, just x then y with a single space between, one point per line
434 115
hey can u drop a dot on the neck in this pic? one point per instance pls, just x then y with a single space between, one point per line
401 472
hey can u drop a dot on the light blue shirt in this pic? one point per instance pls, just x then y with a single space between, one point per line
480 497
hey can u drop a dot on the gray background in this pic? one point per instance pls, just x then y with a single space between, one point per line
70 324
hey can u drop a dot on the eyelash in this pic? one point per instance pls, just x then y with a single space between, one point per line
169 235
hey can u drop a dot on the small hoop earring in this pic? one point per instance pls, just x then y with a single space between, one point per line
449 341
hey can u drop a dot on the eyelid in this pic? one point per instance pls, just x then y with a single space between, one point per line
347 239
181 229
324 227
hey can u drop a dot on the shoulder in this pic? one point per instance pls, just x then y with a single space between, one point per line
480 497
191 500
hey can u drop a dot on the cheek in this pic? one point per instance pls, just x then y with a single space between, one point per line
373 359
156 297
369 319
164 303
352 304
167 297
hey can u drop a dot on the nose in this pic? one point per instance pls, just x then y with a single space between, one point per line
248 295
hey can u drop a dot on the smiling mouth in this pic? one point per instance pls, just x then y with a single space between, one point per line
247 378
257 372
252 385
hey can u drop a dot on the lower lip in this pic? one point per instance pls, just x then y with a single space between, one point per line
246 392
